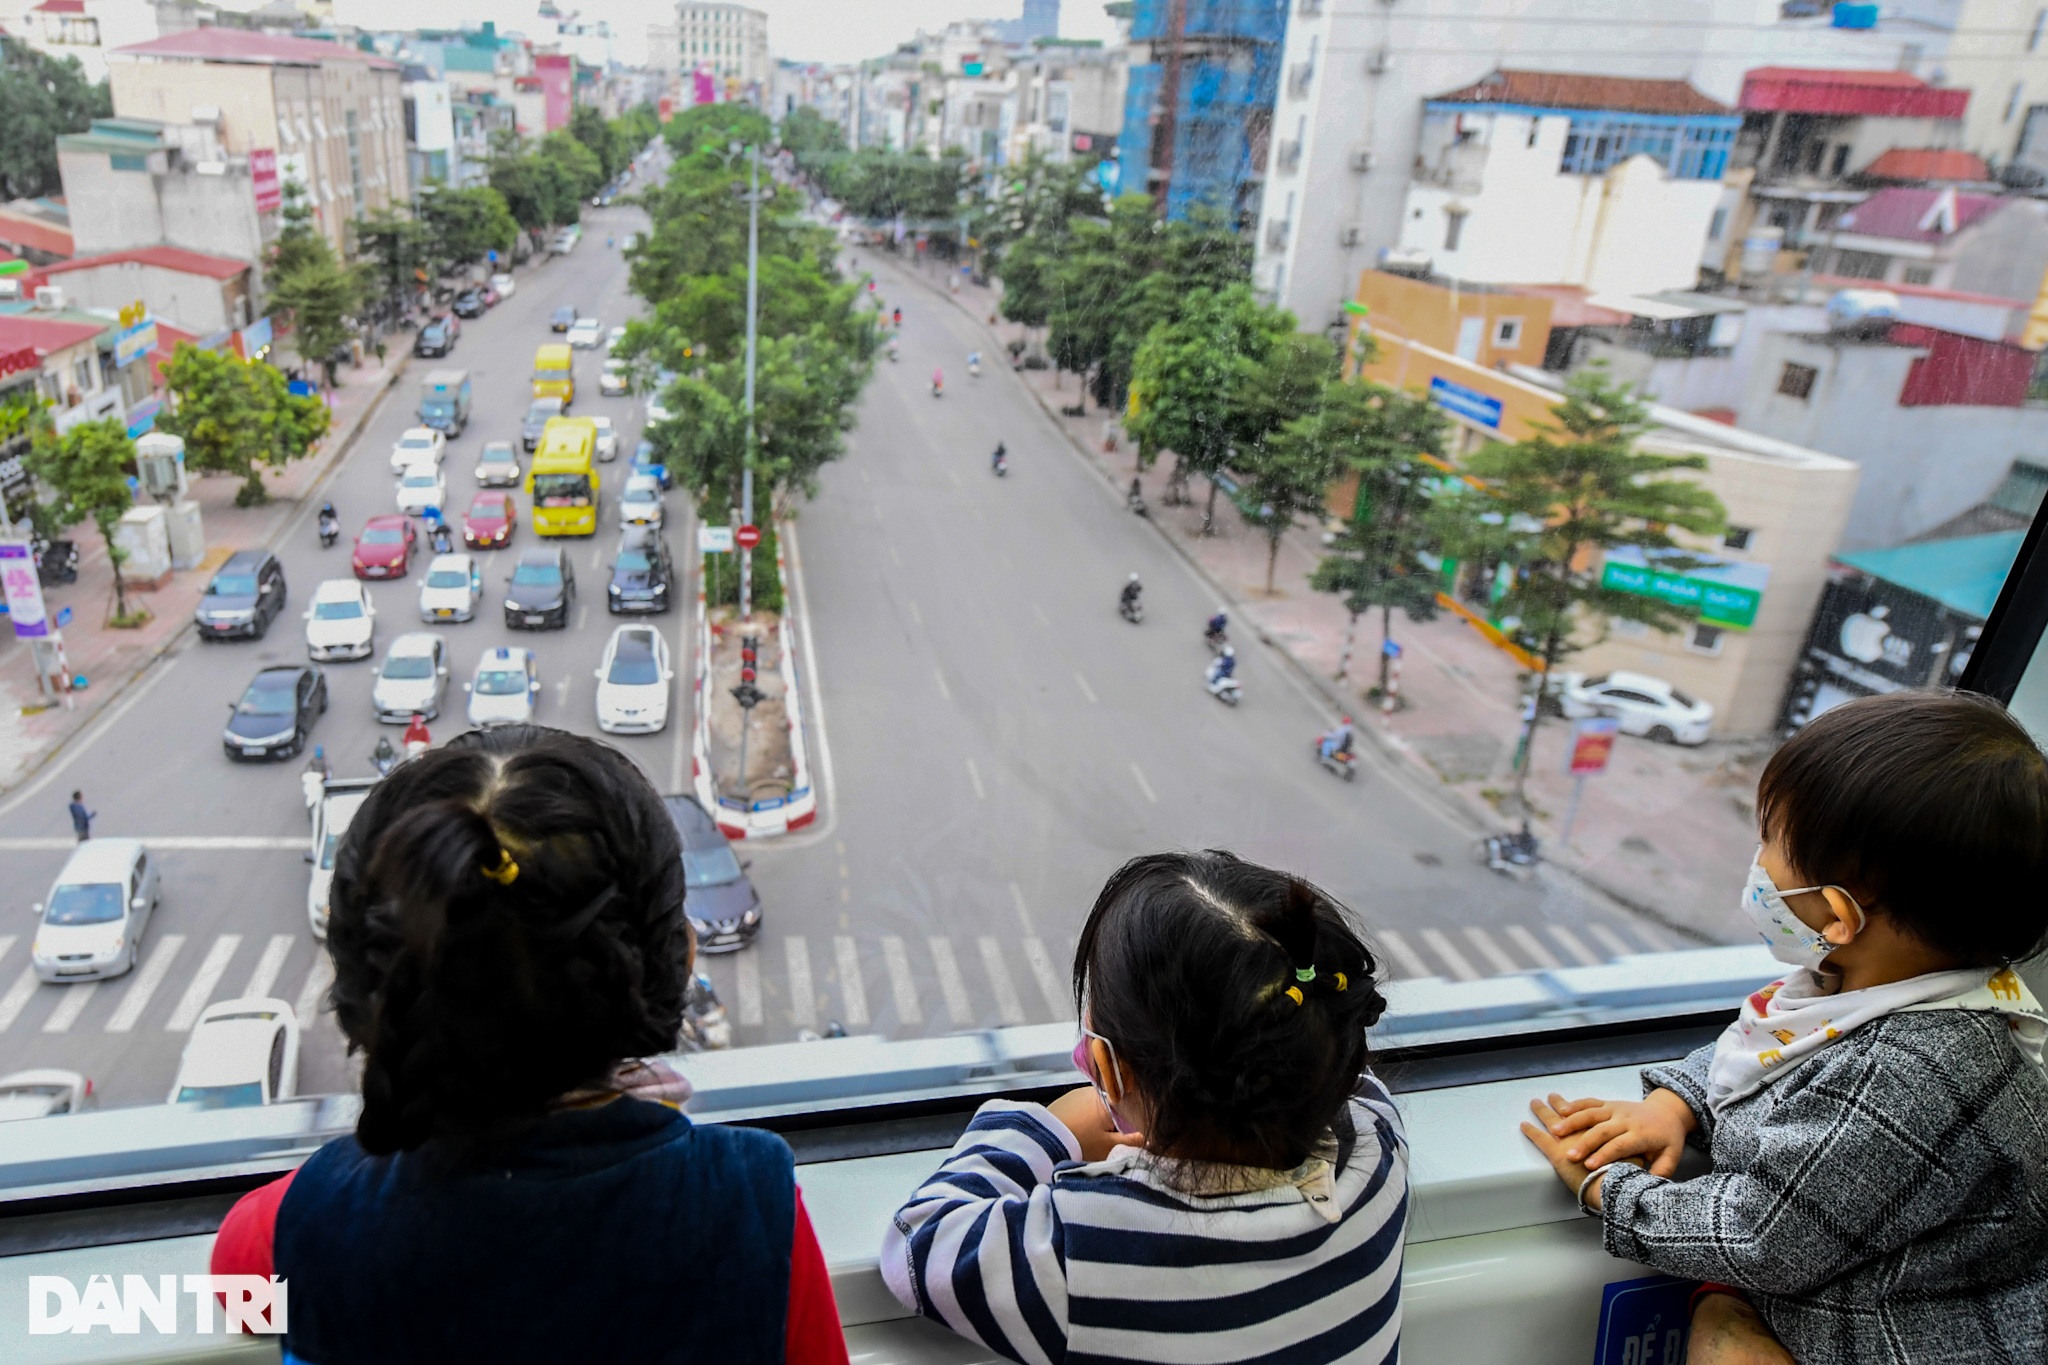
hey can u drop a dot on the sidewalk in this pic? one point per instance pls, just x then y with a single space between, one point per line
109 659
1665 830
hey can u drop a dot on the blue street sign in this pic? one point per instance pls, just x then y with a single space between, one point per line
1470 404
63 617
1390 648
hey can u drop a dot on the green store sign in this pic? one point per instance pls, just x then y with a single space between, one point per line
1732 606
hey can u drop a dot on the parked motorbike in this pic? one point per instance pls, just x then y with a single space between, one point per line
1345 765
1511 855
705 1025
56 562
1131 611
1224 690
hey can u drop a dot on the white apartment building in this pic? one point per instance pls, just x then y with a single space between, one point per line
1069 99
729 41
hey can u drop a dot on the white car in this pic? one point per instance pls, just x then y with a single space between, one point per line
614 337
42 1092
633 682
657 408
339 801
91 925
506 685
505 285
418 445
421 487
242 1054
342 622
414 676
617 379
607 438
1644 705
640 501
452 589
584 333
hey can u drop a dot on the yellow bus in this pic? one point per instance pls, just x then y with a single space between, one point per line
554 373
561 483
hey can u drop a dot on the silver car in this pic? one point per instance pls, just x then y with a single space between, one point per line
412 680
505 687
91 926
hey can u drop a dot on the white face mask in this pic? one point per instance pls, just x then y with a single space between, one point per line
1788 937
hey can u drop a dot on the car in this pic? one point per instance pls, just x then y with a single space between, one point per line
723 908
585 334
342 622
506 685
275 713
607 439
649 461
242 1054
1644 705
42 1093
633 682
542 586
538 414
422 487
629 241
613 337
657 405
616 381
562 319
504 284
640 501
419 445
242 598
438 337
497 466
490 521
413 679
642 574
469 304
452 589
90 925
384 549
340 799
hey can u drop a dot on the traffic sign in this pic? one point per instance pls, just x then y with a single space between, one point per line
714 540
747 537
1592 744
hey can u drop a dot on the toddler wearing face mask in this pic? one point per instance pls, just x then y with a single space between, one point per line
1877 1119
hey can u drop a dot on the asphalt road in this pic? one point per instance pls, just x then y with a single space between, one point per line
995 740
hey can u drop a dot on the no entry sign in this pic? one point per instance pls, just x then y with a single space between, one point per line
747 537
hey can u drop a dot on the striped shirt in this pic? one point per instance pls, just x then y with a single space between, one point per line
1018 1244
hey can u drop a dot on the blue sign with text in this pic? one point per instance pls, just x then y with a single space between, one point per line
1470 404
1644 1322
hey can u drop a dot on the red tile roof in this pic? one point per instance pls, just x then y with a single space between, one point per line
1557 90
242 45
20 230
1878 94
44 334
163 257
1898 213
1927 163
60 7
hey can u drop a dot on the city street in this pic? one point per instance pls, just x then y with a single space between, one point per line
995 740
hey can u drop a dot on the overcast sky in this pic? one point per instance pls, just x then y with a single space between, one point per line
805 30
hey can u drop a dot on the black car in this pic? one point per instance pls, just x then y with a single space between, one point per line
246 593
276 713
721 903
641 574
562 319
537 414
437 337
542 586
469 304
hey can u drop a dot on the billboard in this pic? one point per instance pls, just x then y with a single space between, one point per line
264 178
24 590
556 71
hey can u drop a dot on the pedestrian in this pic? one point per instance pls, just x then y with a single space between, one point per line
81 818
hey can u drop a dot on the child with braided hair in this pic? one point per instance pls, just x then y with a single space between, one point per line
1232 1184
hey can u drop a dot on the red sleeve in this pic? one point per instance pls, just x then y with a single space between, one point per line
242 1246
814 1336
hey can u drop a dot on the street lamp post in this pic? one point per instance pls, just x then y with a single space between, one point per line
747 465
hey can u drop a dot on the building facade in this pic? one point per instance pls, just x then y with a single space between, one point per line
1198 104
730 42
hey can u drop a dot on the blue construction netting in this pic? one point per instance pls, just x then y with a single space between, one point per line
1228 82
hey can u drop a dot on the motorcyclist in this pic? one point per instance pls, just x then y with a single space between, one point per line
1224 666
896 318
416 734
383 756
1337 743
995 461
441 538
938 380
330 522
314 779
974 362
1214 630
1132 591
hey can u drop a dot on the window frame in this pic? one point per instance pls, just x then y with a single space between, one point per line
1796 380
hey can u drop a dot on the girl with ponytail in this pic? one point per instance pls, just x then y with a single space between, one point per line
509 941
1232 1182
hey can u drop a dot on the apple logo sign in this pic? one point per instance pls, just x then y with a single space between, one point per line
1866 637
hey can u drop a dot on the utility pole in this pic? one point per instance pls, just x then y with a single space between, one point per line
1168 126
747 466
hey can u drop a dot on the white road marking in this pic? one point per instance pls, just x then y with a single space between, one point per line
974 776
1143 785
1460 966
312 995
582 615
1496 956
944 691
76 998
264 978
1049 983
200 991
853 991
1614 943
1023 912
7 942
1569 941
178 843
1411 963
749 971
154 969
17 997
915 614
951 986
1086 690
901 984
1009 1009
1533 947
803 997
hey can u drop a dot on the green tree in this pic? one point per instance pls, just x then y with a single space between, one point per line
700 226
1387 438
715 127
311 292
461 227
1552 505
815 141
707 314
238 417
88 468
589 126
41 98
1285 477
392 246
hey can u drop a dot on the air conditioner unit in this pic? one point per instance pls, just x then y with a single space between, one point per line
1350 234
1363 158
1377 61
49 297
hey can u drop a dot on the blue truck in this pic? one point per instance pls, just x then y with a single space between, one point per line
444 401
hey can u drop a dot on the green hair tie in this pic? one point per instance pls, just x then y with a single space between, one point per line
1304 974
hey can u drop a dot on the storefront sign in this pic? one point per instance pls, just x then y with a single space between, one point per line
252 341
1723 593
24 590
142 416
1470 404
263 177
14 362
132 343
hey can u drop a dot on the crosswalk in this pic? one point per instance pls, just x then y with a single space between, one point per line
156 995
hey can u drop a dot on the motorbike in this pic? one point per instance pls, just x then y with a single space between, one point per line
1511 855
1135 500
974 369
938 390
1344 764
892 350
56 562
705 1025
330 531
1224 689
1217 640
1002 465
1131 610
384 758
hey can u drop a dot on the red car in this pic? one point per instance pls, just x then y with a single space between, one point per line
488 523
384 549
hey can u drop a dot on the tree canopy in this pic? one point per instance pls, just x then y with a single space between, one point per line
40 99
238 417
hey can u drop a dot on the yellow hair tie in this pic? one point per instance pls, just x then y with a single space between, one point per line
1294 994
506 872
1343 982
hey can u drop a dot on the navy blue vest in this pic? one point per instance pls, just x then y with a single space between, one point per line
618 1233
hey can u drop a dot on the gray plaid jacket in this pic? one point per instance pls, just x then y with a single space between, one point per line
1887 1201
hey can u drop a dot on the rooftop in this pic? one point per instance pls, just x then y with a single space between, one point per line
244 46
1928 163
1964 574
163 257
44 334
18 229
1916 215
1878 94
1558 90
